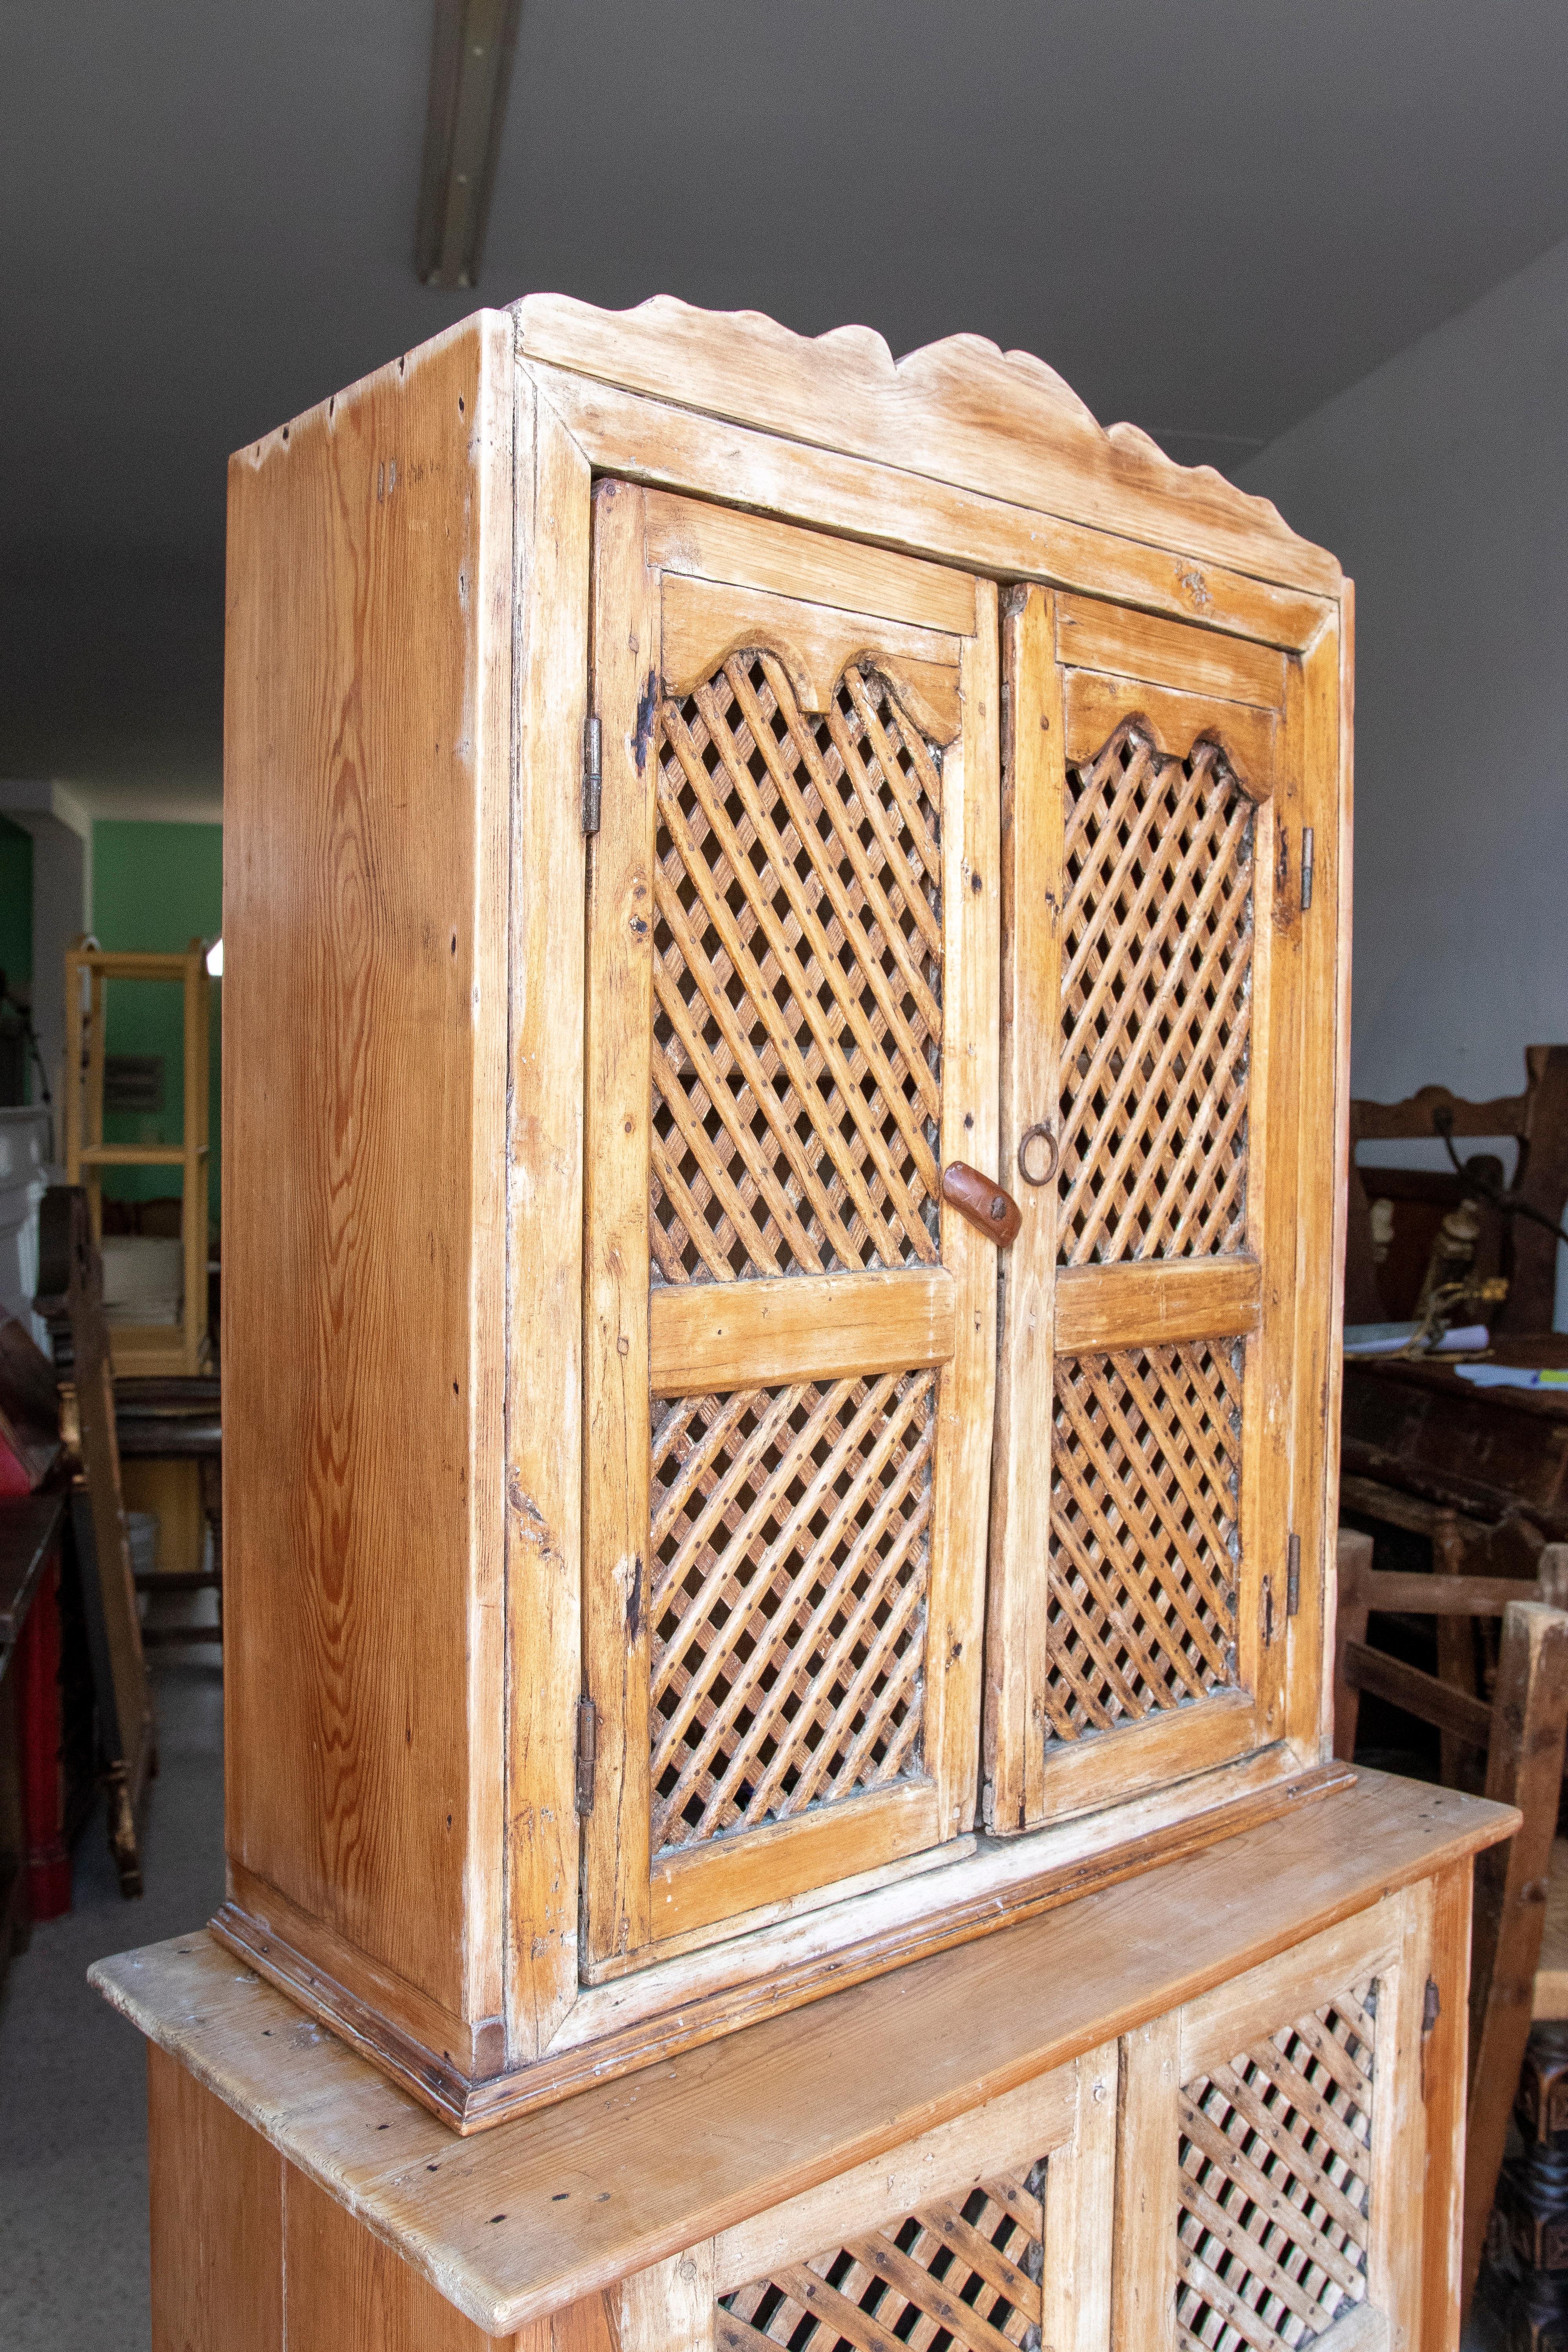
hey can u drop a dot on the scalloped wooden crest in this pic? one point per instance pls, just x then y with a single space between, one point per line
960 409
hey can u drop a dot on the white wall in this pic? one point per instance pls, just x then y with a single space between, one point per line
1441 483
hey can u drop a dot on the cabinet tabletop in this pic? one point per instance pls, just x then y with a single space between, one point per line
518 2221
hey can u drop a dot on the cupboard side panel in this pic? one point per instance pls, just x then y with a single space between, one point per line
347 2291
216 2190
365 993
544 1227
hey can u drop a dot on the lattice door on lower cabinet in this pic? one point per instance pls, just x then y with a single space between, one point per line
992 2231
790 1343
1153 1042
1276 2128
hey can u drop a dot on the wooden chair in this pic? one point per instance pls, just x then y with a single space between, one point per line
1523 1735
1518 1246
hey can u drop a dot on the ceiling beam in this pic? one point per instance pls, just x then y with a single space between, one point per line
470 70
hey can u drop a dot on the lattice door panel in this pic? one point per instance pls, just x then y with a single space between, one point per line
791 1548
1156 1001
798 979
1144 1557
1143 1016
963 2271
1276 2184
794 909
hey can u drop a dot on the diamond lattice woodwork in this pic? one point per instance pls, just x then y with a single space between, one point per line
964 2272
797 973
791 1544
1144 1570
1156 994
1276 2173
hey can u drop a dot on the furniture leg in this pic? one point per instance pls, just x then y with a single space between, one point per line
1524 1767
1353 1561
1455 1644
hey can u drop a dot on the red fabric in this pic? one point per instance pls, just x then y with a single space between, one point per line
14 1479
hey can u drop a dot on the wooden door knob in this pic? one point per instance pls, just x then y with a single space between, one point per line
990 1209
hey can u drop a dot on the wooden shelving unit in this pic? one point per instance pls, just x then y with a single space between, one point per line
142 1349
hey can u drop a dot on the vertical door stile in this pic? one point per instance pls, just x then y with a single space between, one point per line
1137 1619
1279 1051
972 923
790 1360
1033 789
616 1342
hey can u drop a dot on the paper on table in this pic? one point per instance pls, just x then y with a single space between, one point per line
1513 1376
1388 1339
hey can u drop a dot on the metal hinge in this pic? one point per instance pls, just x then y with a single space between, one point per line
587 1752
1292 1576
593 778
1431 2011
1306 868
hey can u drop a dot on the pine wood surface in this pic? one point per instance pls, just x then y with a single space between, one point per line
217 2262
1151 1022
959 410
366 774
625 2176
659 443
816 837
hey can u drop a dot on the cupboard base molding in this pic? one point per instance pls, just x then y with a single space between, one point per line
640 2021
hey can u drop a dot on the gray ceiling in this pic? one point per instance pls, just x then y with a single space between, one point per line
1210 215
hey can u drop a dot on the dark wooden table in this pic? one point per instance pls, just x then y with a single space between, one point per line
1488 1452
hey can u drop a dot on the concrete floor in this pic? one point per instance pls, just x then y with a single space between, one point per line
73 2108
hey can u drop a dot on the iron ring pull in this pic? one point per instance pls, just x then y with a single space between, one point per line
1038 1134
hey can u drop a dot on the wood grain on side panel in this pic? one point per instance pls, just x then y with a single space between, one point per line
367 721
217 2193
348 2291
544 1229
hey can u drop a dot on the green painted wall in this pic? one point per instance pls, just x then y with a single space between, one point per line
16 901
156 887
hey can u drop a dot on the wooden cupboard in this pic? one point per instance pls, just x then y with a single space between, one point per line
1220 2104
688 788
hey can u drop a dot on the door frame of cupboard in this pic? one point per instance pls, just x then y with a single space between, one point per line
858 1339
880 499
1151 777
958 457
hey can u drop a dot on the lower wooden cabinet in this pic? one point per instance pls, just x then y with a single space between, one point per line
1216 2108
993 2229
1274 2149
1248 2171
